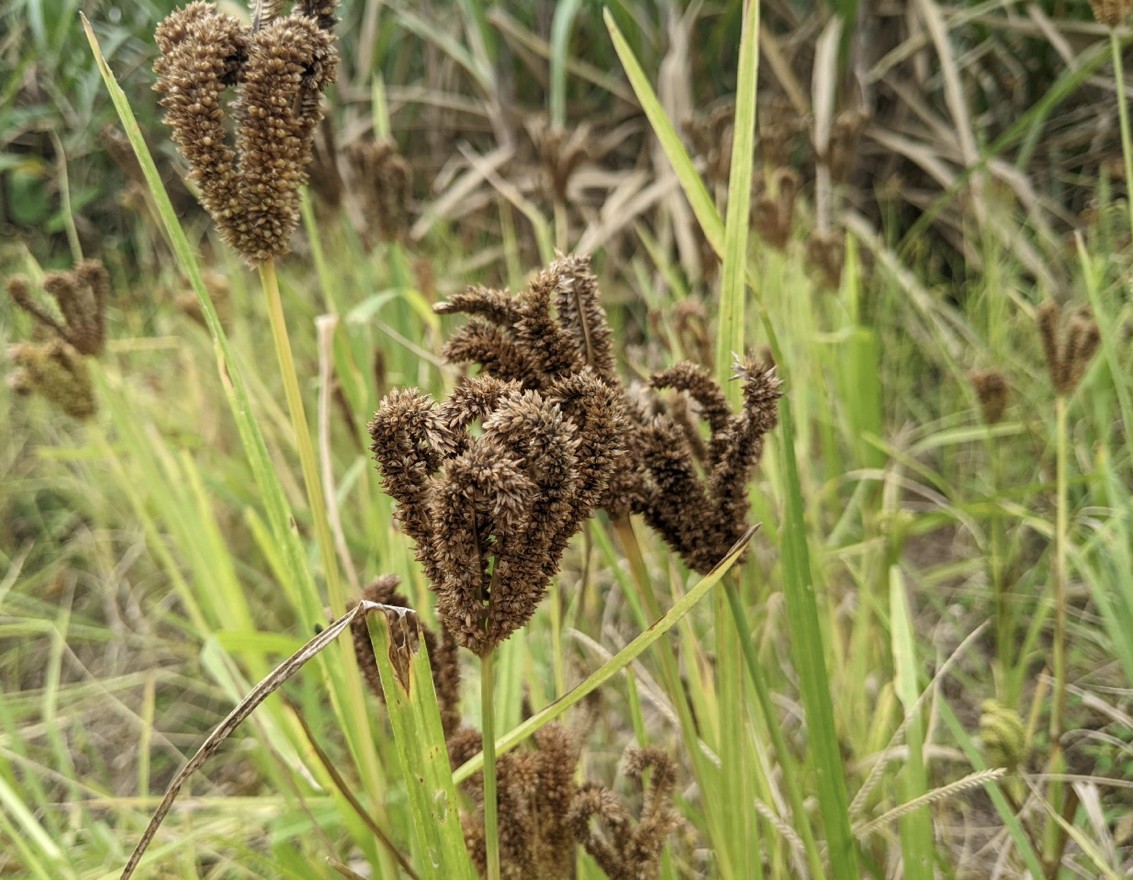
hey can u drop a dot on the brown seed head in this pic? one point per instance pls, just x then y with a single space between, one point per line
629 849
992 392
827 251
700 507
845 134
773 210
1067 348
780 126
561 154
81 296
1110 13
280 71
57 372
385 181
491 515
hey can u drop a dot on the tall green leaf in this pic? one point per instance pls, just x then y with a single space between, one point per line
407 680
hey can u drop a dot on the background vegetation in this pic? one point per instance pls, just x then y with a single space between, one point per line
925 176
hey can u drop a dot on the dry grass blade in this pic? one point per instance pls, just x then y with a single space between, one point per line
971 781
445 204
345 871
238 715
824 82
1080 838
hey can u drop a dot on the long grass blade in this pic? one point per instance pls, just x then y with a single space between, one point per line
916 824
694 189
730 340
810 659
407 681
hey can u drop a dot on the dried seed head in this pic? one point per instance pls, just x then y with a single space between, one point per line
845 133
658 465
992 392
827 252
385 181
56 371
561 154
773 210
710 133
492 515
1110 13
280 71
1067 348
535 790
1048 317
629 849
700 508
81 296
1082 339
692 331
780 126
552 330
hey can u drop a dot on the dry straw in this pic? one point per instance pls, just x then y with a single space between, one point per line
992 392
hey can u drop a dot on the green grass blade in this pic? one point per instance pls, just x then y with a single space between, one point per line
561 24
416 720
48 854
694 189
807 646
916 827
730 333
1003 807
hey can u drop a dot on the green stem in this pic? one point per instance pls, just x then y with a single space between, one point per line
302 437
361 742
1055 834
1058 707
997 561
488 722
1123 119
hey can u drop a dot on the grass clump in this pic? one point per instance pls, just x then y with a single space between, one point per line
588 662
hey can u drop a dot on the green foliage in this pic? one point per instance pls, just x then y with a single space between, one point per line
824 716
